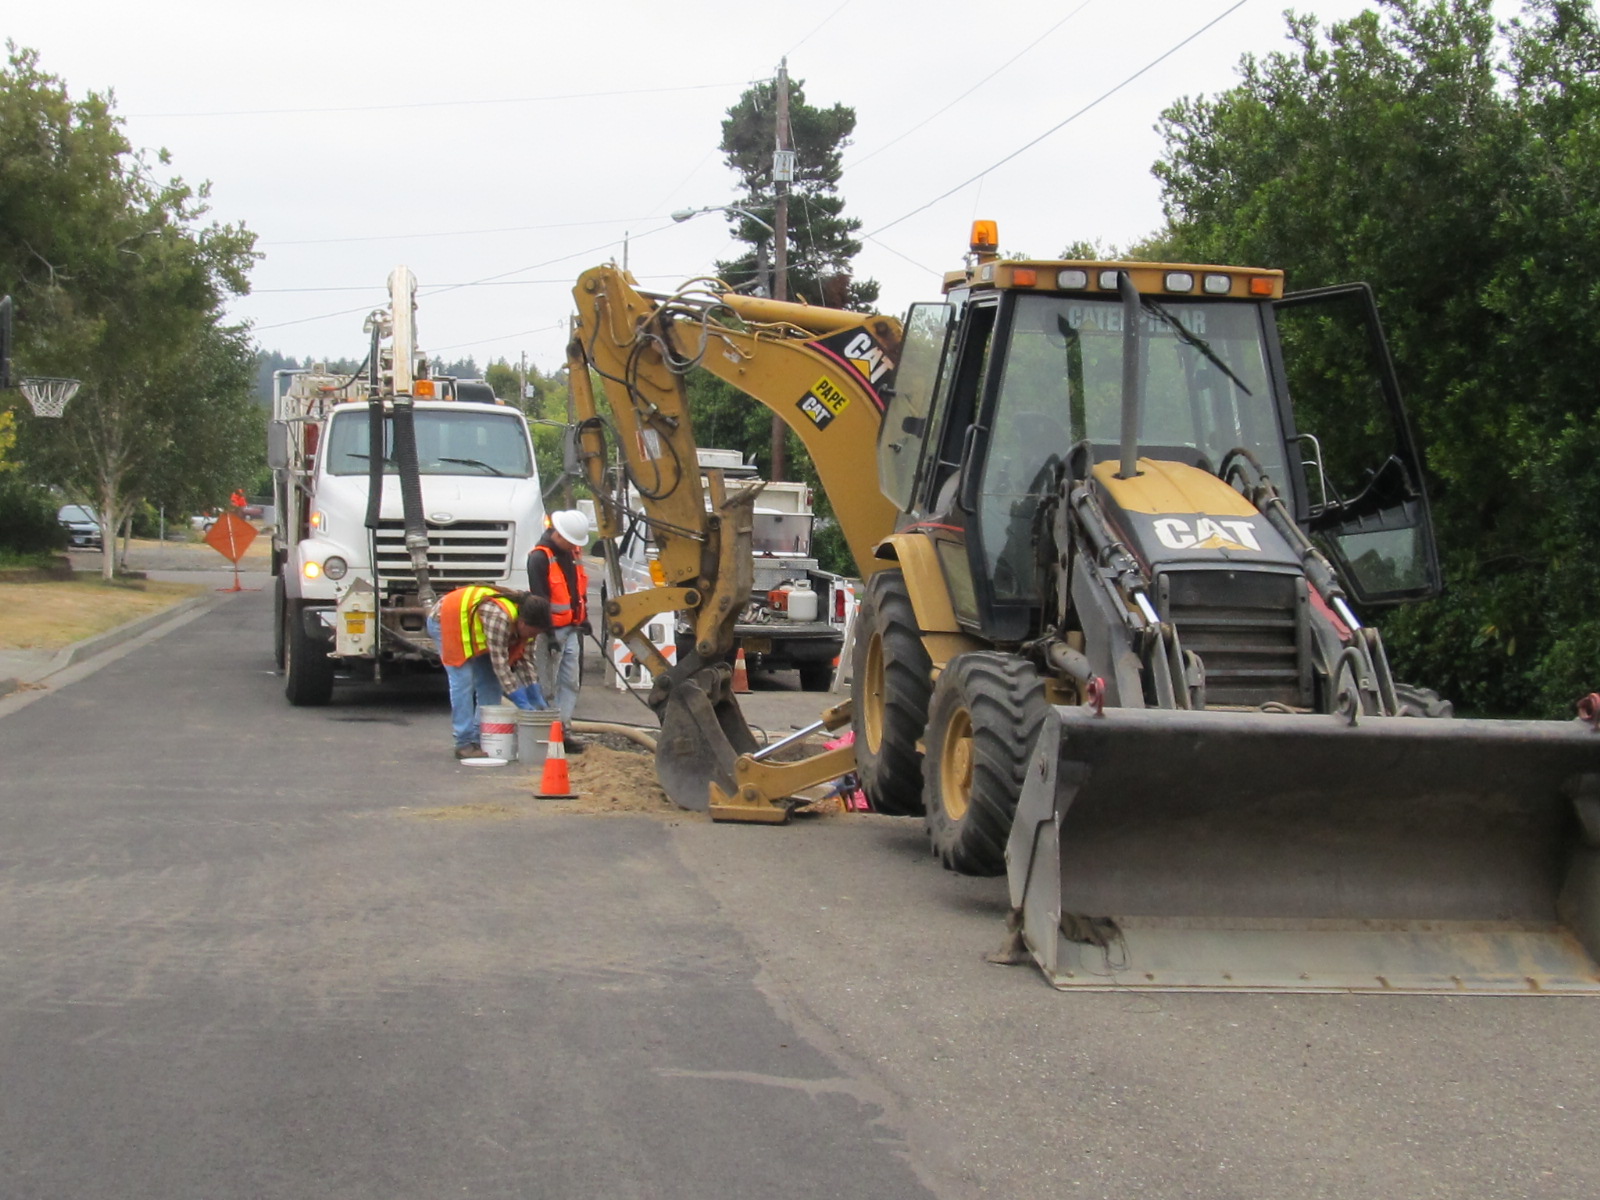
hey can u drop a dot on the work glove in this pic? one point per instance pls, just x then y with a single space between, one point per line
588 627
530 697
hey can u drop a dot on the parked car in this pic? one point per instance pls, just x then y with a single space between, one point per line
83 527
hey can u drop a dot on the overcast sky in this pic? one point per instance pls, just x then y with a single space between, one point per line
500 149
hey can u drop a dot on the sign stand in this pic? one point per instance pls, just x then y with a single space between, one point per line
231 537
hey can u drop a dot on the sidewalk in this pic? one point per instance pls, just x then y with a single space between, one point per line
174 562
23 668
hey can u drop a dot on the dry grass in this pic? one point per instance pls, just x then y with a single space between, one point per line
50 616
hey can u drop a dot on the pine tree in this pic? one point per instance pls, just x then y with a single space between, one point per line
820 245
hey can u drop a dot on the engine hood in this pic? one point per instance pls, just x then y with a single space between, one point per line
1175 515
445 498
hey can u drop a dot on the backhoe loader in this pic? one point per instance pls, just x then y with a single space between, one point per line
1117 521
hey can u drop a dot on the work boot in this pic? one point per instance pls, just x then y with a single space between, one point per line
471 752
572 743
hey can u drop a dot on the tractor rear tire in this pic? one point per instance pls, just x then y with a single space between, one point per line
986 712
1422 702
892 683
307 669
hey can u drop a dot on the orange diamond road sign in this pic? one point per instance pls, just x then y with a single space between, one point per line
231 537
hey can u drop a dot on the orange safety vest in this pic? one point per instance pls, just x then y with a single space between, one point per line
563 609
461 634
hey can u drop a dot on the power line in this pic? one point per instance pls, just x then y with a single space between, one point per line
341 108
395 237
1062 124
451 287
817 28
885 246
970 90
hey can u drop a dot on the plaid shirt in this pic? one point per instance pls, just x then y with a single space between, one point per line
501 630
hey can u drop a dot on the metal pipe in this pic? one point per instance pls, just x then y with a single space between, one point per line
1131 402
797 736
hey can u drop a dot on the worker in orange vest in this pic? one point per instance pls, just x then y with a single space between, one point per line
484 637
555 571
238 499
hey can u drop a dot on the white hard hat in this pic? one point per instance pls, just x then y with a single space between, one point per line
572 525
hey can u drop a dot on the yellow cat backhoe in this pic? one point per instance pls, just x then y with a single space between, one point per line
1117 521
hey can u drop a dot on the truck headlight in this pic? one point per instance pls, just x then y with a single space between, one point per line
312 570
335 567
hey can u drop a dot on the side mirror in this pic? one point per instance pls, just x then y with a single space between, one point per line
278 445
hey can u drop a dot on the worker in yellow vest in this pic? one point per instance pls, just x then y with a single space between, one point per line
485 639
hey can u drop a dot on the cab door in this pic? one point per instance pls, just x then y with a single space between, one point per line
1366 504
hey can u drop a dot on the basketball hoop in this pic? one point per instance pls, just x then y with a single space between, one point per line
47 395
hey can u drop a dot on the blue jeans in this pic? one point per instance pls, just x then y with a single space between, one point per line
472 684
559 652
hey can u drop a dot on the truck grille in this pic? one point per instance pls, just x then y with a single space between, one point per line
1248 628
458 553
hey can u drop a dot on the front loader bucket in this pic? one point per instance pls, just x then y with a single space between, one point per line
703 732
1295 852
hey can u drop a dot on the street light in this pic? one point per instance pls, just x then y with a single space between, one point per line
683 214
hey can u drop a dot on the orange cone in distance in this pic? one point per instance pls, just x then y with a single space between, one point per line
741 676
555 783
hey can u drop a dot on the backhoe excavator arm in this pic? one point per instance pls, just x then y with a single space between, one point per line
824 372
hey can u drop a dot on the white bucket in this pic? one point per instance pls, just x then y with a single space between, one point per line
533 733
497 730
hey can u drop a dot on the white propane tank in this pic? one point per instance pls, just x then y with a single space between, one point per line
802 604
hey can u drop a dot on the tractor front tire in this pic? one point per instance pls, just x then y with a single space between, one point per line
986 711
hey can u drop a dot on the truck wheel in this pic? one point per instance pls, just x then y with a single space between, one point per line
280 605
986 711
893 679
307 669
1422 702
816 676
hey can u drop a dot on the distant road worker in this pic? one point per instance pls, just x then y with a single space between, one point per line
555 571
485 638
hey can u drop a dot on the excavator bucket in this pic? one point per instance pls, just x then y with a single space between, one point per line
703 731
1290 852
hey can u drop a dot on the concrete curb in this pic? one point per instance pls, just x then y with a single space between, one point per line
101 642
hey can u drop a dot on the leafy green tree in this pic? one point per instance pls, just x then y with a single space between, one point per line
119 284
1454 166
821 245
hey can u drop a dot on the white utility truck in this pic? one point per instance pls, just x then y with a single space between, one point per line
797 612
391 488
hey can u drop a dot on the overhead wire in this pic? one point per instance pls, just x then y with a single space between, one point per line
415 104
439 291
941 111
396 237
817 28
1063 123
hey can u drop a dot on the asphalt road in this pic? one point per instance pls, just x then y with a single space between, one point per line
252 951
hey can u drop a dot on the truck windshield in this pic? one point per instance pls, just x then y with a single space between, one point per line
448 443
1206 390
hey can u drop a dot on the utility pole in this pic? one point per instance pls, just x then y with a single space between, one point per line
522 383
782 176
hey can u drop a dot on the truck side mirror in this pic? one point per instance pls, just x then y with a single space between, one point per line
277 445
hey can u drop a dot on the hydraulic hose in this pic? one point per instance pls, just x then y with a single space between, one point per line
416 528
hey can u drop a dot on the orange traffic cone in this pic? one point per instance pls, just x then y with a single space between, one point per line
555 784
741 677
